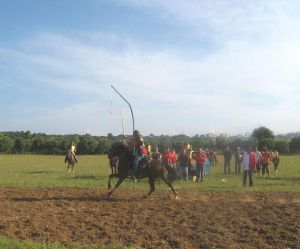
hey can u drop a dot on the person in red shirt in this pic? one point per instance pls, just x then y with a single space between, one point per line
166 157
200 157
265 161
173 158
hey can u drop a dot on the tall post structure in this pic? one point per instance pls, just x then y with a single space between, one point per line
128 104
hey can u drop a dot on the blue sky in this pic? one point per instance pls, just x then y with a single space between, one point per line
187 67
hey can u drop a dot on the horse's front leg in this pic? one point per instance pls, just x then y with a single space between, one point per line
109 180
121 179
152 186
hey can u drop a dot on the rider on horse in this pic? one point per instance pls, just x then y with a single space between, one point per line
136 143
72 148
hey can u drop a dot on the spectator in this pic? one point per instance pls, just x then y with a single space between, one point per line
166 157
207 165
200 158
265 160
173 158
248 162
238 161
183 163
227 159
258 161
156 154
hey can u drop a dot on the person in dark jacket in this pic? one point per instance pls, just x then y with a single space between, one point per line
227 159
183 163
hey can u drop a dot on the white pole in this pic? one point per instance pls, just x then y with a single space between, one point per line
123 124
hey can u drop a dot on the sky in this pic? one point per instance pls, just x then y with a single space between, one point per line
186 66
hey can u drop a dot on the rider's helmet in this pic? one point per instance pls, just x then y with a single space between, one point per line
136 133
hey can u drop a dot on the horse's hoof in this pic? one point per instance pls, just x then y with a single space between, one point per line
176 197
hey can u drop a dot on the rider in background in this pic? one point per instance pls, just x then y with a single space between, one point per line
71 147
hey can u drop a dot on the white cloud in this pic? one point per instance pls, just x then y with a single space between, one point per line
221 20
241 83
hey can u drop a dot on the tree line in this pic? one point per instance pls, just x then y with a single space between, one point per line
39 143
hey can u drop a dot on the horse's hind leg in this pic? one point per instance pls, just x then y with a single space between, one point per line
276 163
170 185
135 182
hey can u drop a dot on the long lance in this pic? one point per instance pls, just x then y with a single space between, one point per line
128 104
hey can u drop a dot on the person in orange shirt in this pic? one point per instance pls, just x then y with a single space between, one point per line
173 158
265 161
200 158
166 157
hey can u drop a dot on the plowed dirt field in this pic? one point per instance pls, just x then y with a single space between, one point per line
196 220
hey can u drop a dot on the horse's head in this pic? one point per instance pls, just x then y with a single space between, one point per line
120 150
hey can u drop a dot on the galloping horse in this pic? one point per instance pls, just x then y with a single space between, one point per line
70 158
152 169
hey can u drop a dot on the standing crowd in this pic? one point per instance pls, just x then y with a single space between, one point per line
250 160
195 165
188 163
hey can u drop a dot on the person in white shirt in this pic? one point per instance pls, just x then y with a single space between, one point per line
248 164
258 161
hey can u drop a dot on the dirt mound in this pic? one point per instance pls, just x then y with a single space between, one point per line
197 220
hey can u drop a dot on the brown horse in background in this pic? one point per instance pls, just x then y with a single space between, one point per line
70 158
151 169
212 157
275 159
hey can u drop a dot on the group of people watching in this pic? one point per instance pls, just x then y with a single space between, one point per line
196 164
187 163
250 160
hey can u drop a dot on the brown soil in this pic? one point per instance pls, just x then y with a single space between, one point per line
196 220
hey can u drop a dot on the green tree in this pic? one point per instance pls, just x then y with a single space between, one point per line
103 146
261 133
221 142
295 145
22 144
6 144
282 146
87 145
266 142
